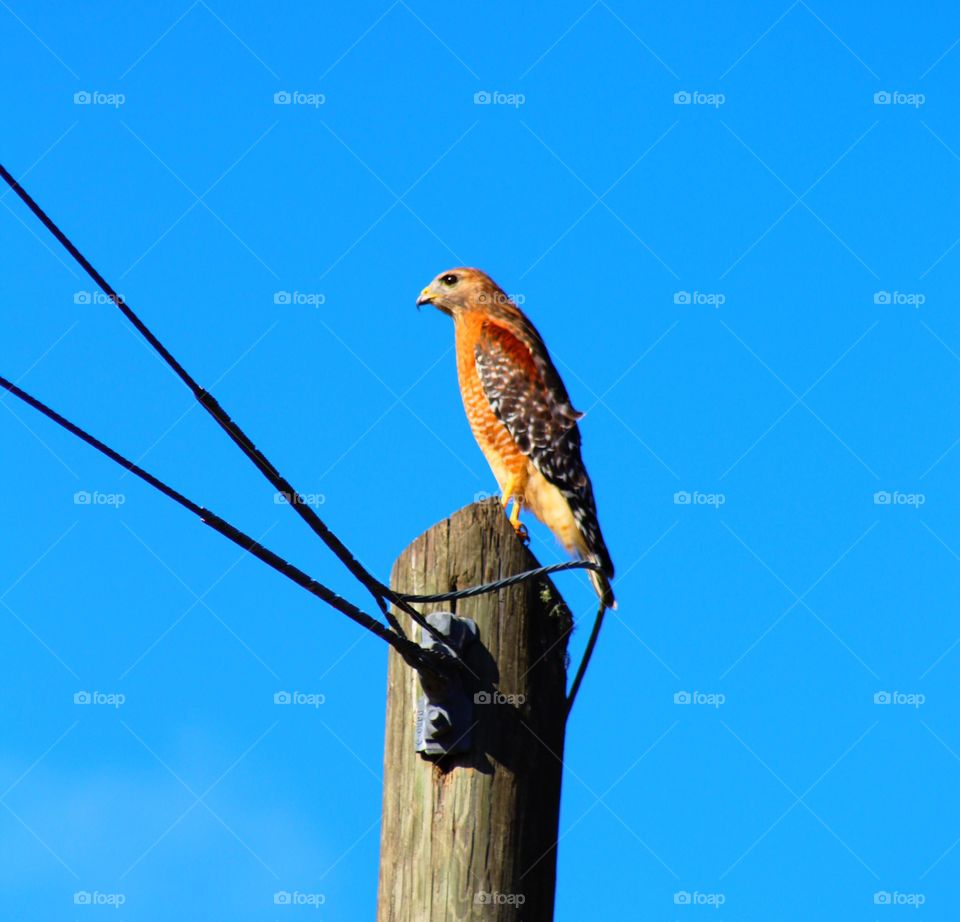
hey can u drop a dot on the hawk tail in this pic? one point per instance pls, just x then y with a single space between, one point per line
602 585
591 546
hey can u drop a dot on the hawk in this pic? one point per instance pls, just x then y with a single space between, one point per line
520 414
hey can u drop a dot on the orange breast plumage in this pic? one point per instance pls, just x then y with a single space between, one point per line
496 442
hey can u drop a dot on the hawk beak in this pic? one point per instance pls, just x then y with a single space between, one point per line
426 297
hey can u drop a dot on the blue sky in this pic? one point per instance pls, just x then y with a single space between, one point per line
749 287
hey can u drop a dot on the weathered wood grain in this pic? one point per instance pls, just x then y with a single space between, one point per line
475 838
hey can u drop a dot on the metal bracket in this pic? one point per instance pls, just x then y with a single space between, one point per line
445 710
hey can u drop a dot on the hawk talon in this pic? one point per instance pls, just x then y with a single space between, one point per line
522 532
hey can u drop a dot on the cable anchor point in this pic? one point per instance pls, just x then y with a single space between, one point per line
445 709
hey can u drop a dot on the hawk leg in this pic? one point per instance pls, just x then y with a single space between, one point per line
508 495
508 491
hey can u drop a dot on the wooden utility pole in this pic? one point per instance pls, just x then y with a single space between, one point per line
473 836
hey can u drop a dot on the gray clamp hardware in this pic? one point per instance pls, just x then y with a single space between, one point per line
445 709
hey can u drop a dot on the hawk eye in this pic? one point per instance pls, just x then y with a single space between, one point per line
449 279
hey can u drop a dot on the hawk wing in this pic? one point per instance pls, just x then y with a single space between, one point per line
536 411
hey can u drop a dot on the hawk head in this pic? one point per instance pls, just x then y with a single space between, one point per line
463 289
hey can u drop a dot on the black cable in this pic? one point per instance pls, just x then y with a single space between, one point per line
503 583
411 652
523 577
378 590
587 653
